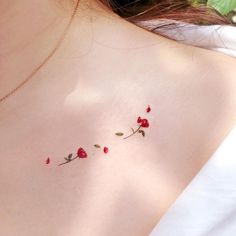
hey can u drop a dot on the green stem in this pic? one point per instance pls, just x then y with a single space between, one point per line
133 132
68 161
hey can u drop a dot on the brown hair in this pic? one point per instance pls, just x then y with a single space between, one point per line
174 10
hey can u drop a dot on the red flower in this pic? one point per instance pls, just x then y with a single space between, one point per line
144 123
48 160
81 153
139 119
148 109
105 149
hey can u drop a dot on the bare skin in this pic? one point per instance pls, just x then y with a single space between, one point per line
93 87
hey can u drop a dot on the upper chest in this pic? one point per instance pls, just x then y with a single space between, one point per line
130 186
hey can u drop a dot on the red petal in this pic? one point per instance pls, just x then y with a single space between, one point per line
145 123
48 160
81 153
105 149
148 109
139 119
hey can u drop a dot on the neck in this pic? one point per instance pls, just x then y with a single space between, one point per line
30 31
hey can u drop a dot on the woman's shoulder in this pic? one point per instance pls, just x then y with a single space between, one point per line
189 80
161 49
196 68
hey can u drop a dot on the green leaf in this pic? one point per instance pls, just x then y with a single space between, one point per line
69 157
142 132
222 6
197 2
97 146
119 134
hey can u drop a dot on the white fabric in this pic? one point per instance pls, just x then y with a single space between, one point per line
207 206
216 37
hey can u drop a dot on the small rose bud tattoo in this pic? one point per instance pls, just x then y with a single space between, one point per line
47 161
105 149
